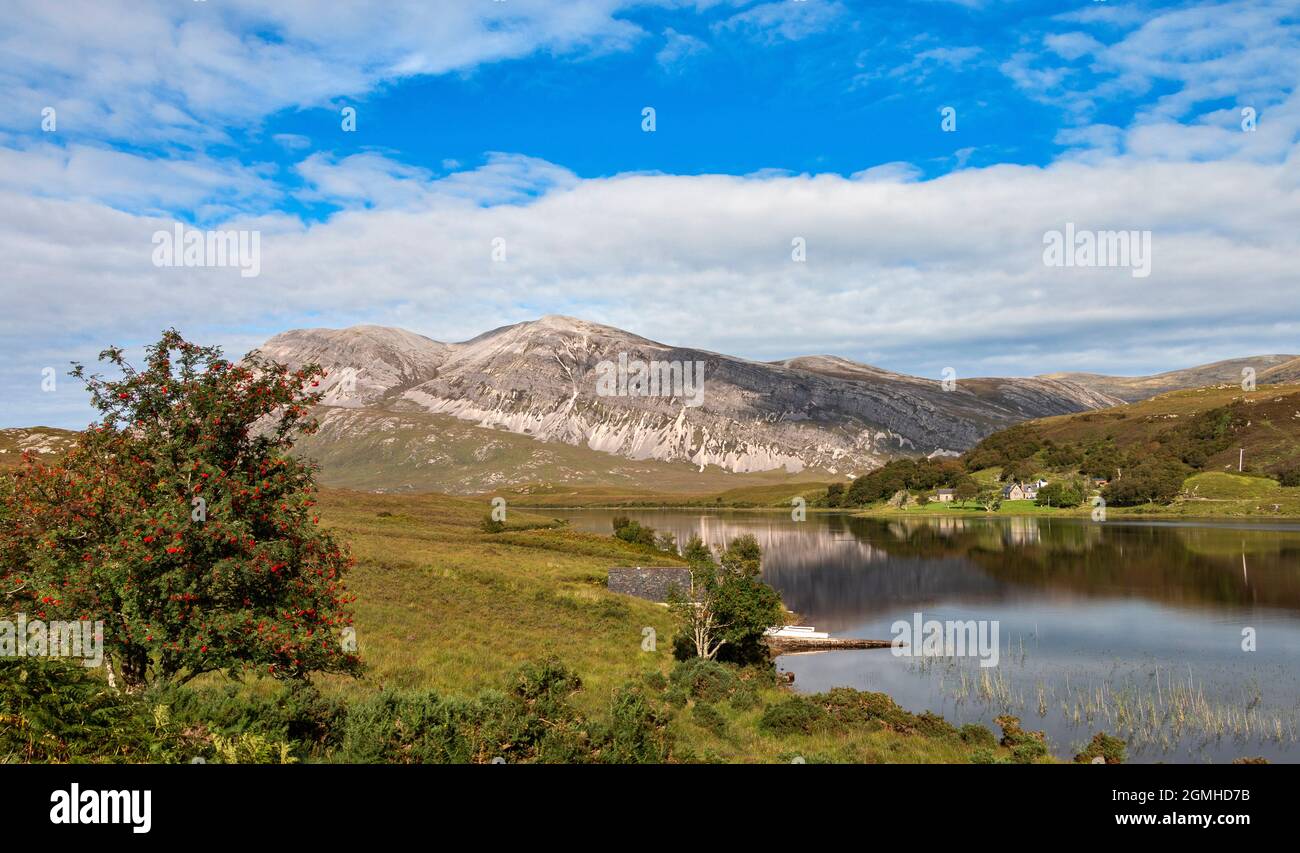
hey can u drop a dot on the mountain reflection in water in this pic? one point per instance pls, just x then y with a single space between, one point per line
1096 619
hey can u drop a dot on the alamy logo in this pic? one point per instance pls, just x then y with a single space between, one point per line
637 378
77 806
973 638
1082 248
24 638
190 247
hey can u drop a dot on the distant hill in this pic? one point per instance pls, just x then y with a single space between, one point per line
1285 373
1268 369
41 442
519 406
1270 434
813 416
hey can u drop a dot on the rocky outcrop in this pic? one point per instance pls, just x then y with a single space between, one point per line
550 379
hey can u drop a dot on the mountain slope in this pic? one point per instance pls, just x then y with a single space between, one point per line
540 379
365 363
43 443
1269 434
384 451
1130 389
1285 373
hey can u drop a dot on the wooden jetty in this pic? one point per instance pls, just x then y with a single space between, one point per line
786 645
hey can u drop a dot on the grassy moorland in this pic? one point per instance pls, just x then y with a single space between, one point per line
412 452
444 606
1200 433
758 496
1270 433
479 646
1207 495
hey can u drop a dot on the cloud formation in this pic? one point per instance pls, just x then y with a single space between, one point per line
911 273
914 274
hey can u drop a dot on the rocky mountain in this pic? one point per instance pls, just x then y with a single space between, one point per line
366 363
37 441
566 381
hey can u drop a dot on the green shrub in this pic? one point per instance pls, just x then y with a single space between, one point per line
296 713
250 748
1288 474
404 728
1062 493
851 708
1112 749
638 731
1025 746
655 680
934 726
705 680
978 736
1028 751
1157 480
534 722
678 695
635 533
744 698
795 715
856 708
57 711
985 755
546 683
709 718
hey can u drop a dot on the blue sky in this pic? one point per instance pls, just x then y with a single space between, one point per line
809 86
776 120
728 99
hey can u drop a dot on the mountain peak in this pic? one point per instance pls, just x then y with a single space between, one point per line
362 363
565 323
540 378
561 320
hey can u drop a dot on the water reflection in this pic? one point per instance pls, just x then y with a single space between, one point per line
1103 625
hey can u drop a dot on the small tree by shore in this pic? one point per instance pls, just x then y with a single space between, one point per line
728 607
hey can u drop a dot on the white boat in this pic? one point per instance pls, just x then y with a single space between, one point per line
804 631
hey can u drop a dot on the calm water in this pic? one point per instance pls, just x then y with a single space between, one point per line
1131 628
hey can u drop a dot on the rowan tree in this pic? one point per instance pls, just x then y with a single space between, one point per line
183 521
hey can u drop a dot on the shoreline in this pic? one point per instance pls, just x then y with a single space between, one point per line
1083 513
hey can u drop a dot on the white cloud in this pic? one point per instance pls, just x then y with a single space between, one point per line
133 181
678 48
375 180
923 63
783 20
1246 52
182 72
1072 45
292 141
914 274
